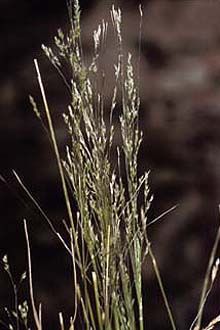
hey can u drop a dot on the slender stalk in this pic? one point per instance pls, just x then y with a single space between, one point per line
107 278
54 141
207 278
97 300
74 279
16 306
36 316
162 290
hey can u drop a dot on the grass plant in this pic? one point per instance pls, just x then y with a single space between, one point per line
108 235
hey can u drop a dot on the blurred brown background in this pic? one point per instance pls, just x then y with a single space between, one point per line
180 118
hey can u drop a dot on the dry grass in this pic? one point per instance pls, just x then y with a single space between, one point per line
108 240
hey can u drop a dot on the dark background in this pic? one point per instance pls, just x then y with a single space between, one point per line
180 118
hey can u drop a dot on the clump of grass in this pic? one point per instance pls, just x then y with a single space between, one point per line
108 235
